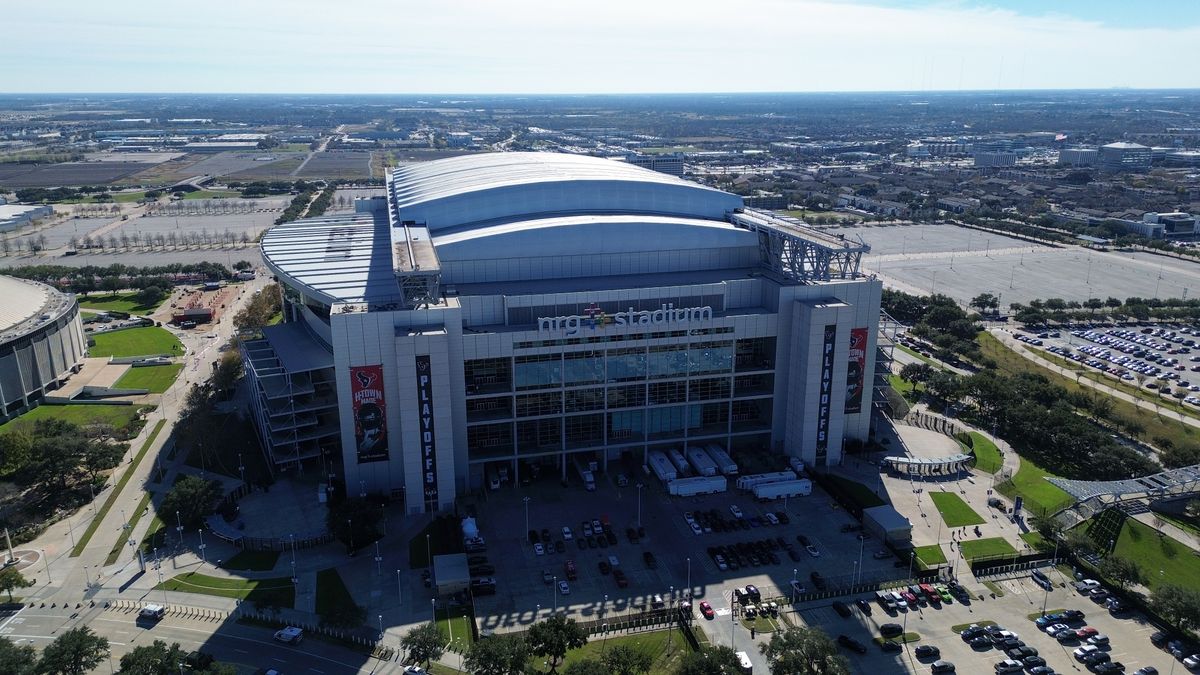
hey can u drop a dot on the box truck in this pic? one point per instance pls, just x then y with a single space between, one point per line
700 485
724 462
681 464
662 467
787 488
701 462
755 479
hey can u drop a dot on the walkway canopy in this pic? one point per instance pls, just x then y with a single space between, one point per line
928 466
1165 485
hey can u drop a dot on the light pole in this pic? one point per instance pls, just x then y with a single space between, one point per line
179 528
555 584
378 559
381 628
861 542
639 489
428 553
794 571
47 561
526 500
350 534
689 578
203 558
912 556
433 609
399 590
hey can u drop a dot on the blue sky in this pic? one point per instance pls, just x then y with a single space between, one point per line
572 46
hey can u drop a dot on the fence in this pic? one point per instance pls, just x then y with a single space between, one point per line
933 423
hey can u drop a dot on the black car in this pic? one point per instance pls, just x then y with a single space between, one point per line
890 646
802 539
783 518
649 559
559 546
863 605
818 580
888 630
927 652
545 536
1072 615
1032 661
612 538
791 553
605 568
533 537
581 543
851 644
973 632
1160 638
842 609
1096 658
980 642
482 570
1021 652
477 560
1111 667
632 535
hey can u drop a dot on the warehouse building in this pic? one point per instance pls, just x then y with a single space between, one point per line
499 312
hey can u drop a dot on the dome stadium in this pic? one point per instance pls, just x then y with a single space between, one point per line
503 313
41 342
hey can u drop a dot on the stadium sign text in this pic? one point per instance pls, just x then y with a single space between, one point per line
595 318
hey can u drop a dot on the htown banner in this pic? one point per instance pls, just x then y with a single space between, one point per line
856 370
425 426
370 413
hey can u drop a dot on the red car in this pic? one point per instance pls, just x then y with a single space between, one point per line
909 598
622 580
1086 632
707 610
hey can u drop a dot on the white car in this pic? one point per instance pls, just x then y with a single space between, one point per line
1084 651
1192 661
696 528
771 518
812 550
1057 628
539 549
688 517
564 588
1009 666
567 536
735 510
1087 585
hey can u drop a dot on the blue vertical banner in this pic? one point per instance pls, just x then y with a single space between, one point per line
425 426
826 398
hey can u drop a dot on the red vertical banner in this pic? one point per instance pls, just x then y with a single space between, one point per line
370 413
856 366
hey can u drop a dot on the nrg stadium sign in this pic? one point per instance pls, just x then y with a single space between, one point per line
596 318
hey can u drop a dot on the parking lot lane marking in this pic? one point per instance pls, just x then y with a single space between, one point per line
240 651
11 619
279 660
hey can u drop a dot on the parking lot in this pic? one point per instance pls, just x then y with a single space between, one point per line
1157 358
681 555
1128 633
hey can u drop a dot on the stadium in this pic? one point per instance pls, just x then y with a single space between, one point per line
41 343
515 312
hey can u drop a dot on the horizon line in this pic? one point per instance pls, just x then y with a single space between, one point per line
613 93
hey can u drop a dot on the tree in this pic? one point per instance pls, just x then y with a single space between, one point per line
353 522
242 265
192 498
916 372
498 655
16 446
17 659
804 651
227 371
1121 571
153 659
74 652
11 580
554 637
586 667
1179 605
102 456
424 643
985 303
151 296
625 660
719 660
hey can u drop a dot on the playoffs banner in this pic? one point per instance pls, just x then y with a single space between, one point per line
425 423
370 418
855 370
825 402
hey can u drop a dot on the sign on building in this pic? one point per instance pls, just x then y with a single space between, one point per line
370 413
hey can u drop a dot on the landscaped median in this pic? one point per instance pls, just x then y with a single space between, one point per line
991 547
155 379
116 491
954 510
1040 495
928 556
145 341
987 455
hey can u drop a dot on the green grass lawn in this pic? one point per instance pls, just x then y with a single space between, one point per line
145 341
986 548
155 378
455 625
115 552
115 492
278 591
1037 541
911 392
954 510
653 643
119 302
1131 388
907 637
987 455
1161 558
332 593
1041 496
928 556
858 492
116 416
252 561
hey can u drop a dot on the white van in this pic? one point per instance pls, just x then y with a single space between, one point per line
154 612
744 660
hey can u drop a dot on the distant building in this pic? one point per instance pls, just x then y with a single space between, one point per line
773 202
459 139
958 204
990 159
917 151
1175 223
1182 158
13 216
1079 156
671 163
1124 157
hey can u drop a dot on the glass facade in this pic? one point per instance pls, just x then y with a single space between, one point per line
623 395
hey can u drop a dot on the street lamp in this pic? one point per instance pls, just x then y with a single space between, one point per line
555 585
912 556
689 577
794 572
639 489
399 590
861 542
433 608
526 500
179 528
203 558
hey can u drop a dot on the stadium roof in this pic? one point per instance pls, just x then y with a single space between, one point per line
23 300
417 183
1173 483
336 258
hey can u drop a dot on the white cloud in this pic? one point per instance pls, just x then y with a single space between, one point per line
573 46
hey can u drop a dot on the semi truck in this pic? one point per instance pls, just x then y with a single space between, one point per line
699 485
797 465
662 467
681 464
787 488
724 462
751 481
585 475
701 462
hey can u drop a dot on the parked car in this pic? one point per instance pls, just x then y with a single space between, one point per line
888 630
706 610
842 609
927 652
941 667
290 635
851 644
